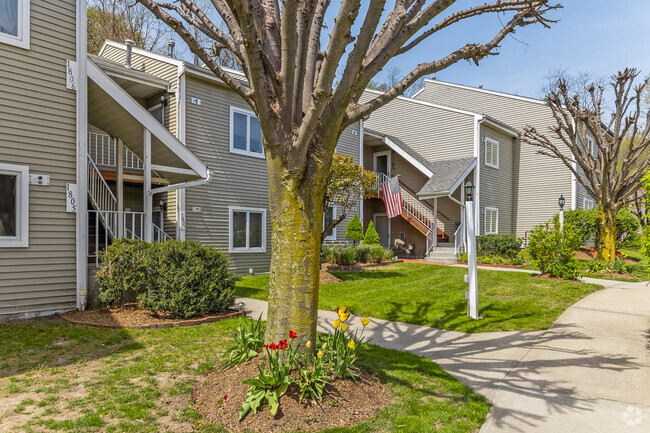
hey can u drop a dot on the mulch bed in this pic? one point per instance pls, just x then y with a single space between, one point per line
345 403
326 277
133 317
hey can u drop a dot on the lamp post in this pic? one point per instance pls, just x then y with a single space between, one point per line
472 294
561 202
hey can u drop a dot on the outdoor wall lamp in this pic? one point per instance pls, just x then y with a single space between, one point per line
469 191
561 202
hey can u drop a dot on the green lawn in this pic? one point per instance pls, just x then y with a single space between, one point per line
58 377
433 295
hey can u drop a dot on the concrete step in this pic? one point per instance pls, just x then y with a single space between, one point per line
442 254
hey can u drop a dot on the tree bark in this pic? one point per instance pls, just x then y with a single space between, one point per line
607 230
296 207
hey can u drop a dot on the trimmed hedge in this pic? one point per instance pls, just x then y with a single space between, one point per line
182 278
586 223
507 246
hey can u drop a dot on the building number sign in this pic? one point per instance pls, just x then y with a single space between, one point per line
71 197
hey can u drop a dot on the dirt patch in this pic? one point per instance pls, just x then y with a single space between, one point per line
345 403
134 317
326 277
329 267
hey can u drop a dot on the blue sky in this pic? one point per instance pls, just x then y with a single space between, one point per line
595 36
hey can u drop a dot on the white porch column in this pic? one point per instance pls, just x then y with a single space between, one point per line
148 200
180 214
435 222
120 188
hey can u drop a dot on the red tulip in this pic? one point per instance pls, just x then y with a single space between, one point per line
292 335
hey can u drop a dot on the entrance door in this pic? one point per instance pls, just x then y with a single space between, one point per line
381 162
382 225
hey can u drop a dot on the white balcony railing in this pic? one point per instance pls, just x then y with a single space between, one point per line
102 149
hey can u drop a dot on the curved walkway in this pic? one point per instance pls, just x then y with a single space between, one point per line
590 372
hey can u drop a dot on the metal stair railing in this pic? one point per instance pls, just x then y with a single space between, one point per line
459 240
102 148
159 234
101 197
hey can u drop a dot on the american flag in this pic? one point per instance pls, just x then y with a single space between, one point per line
392 197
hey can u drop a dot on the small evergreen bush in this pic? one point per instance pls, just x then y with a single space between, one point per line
505 246
122 272
371 237
354 230
187 279
182 278
585 221
553 249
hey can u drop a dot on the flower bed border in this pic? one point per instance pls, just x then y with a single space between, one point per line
188 322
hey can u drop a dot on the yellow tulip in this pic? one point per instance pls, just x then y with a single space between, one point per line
341 311
308 345
324 346
365 321
344 327
320 355
351 344
343 317
337 323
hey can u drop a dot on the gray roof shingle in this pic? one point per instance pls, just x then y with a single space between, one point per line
445 175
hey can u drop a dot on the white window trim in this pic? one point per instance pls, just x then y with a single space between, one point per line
586 200
485 221
331 237
249 114
232 249
591 144
491 142
21 240
22 40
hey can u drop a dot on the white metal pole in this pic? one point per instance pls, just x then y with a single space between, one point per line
561 218
148 200
435 222
471 259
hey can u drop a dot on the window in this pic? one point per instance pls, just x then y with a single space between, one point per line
491 221
590 145
14 205
328 217
247 230
158 112
14 22
245 133
588 203
491 153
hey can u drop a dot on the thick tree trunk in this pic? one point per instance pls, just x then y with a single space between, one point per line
296 208
607 230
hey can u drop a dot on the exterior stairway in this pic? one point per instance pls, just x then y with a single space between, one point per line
418 215
443 253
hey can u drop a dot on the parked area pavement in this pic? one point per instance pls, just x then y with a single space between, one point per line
590 372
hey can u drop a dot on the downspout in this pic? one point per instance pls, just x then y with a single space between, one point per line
361 135
183 185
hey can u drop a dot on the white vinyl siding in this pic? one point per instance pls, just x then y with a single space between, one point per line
245 133
14 205
247 230
491 153
14 22
491 221
588 203
328 217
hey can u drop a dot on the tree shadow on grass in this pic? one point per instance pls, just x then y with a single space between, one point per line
368 275
51 342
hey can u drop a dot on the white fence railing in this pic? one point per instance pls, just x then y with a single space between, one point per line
102 149
100 194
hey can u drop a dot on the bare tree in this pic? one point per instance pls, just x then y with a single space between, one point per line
608 158
119 20
394 76
302 114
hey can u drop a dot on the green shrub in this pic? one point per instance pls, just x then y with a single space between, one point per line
371 237
187 279
122 271
553 249
376 254
342 256
506 246
328 254
362 253
585 221
354 230
627 227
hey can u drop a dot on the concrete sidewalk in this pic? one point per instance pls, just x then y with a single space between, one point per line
589 373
